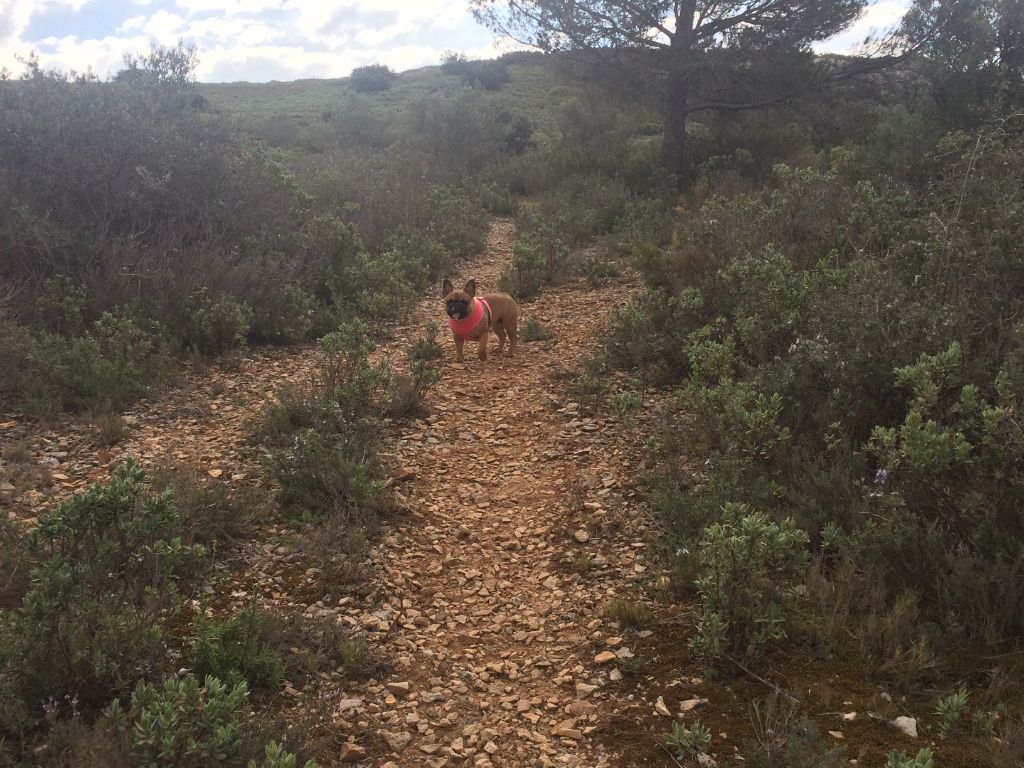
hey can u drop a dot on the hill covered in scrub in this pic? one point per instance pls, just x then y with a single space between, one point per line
749 490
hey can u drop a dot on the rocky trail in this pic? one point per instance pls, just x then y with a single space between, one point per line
521 522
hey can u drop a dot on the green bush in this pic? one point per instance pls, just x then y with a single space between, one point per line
783 315
184 724
749 568
533 330
408 391
235 650
649 334
15 344
62 306
109 564
276 756
538 257
427 348
215 325
923 759
325 440
456 221
112 365
492 75
687 742
373 78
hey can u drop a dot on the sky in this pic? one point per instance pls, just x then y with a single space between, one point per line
262 40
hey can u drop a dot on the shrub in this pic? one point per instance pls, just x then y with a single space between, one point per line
327 646
14 565
538 257
184 723
949 711
408 390
492 75
373 78
534 331
110 428
215 325
648 334
454 63
323 474
62 306
783 739
15 344
498 200
325 439
337 548
749 568
923 759
276 756
687 742
628 612
235 650
109 562
427 348
380 286
109 367
456 221
213 513
626 404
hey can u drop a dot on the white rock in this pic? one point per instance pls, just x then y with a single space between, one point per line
908 725
691 704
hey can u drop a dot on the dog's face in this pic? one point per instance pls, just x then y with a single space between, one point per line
457 303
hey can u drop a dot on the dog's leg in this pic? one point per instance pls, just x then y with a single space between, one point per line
513 337
459 341
482 349
500 330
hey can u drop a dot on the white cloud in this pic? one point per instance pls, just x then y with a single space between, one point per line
14 16
227 8
258 39
102 56
133 24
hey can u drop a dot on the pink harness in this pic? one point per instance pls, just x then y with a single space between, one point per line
465 327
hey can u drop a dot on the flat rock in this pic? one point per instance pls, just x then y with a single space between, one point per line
568 733
348 704
352 753
399 689
605 657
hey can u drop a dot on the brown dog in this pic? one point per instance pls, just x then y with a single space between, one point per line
473 317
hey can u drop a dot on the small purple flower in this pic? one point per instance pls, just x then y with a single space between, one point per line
881 476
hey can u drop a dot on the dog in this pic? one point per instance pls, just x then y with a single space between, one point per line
472 317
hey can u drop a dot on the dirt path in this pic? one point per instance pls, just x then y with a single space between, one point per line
489 594
493 630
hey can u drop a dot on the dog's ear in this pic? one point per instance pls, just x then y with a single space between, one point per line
447 287
470 288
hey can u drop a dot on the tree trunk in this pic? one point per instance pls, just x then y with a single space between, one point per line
674 158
